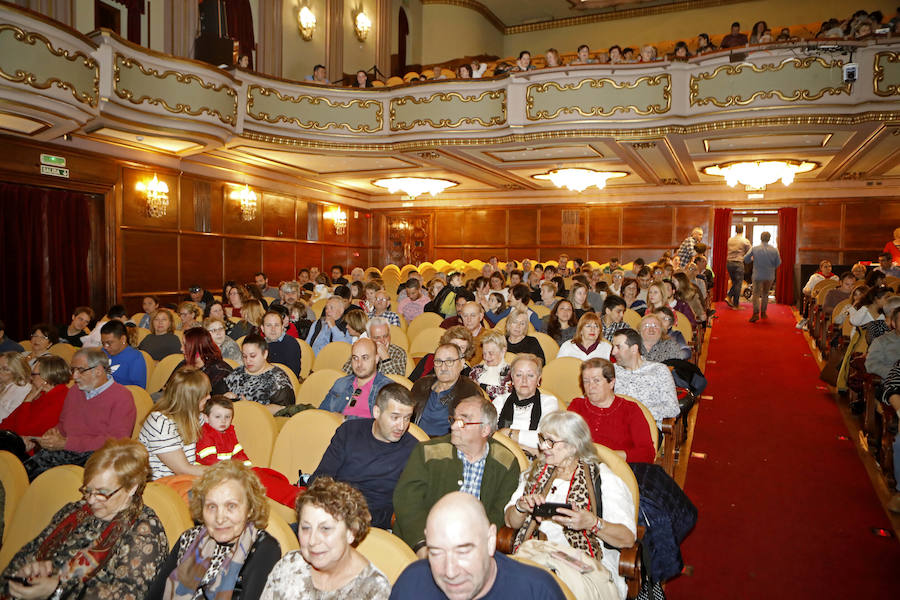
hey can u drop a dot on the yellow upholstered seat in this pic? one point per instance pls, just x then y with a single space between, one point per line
162 371
332 356
306 358
427 320
149 362
515 449
295 383
48 493
317 385
255 429
302 442
426 342
561 377
548 345
143 404
15 482
168 505
418 433
63 350
399 338
405 382
387 552
633 318
279 529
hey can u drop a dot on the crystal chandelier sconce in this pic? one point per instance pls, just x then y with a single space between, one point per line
578 180
248 203
413 187
757 174
157 194
339 219
306 20
362 25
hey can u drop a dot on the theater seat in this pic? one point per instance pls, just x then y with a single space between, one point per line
302 442
279 529
426 320
306 358
425 342
401 380
387 552
64 351
548 345
48 493
295 383
562 585
514 448
317 385
333 356
15 482
143 404
418 433
162 371
255 429
562 377
173 513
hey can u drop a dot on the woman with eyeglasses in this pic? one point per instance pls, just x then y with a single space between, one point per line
40 409
218 329
602 518
42 337
108 545
191 315
658 347
667 318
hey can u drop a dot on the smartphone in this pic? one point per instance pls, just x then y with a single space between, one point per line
549 509
17 579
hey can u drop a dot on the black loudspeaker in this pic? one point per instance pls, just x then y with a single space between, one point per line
214 46
212 18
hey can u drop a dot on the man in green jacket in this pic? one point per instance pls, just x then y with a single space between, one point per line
467 460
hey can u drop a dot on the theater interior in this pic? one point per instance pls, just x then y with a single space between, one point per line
129 167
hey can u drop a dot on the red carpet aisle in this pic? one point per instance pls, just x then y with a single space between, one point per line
785 505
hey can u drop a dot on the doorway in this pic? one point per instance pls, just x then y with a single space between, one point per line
756 222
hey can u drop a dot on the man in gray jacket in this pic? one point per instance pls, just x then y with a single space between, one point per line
765 260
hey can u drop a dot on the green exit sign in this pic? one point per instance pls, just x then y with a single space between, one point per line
55 161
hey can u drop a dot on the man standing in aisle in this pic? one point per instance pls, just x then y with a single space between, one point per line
687 250
765 260
738 247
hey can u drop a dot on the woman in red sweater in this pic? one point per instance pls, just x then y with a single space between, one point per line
615 422
41 408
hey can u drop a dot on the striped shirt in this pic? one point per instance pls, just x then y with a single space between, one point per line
160 435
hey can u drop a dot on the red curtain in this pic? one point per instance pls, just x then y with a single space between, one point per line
239 19
721 233
787 248
45 238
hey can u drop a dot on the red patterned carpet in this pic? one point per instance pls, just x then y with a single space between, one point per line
785 506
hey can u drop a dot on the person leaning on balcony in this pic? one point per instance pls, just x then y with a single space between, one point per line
319 75
584 56
648 54
523 63
735 38
551 57
704 46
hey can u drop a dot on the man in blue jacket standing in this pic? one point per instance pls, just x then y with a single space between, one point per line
765 259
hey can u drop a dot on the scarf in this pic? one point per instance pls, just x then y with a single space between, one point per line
88 561
207 569
507 413
580 495
590 348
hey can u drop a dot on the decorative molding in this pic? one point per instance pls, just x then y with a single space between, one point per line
32 80
890 89
448 122
598 84
313 101
120 61
737 69
478 7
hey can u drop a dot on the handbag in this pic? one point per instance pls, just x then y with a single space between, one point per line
831 369
587 578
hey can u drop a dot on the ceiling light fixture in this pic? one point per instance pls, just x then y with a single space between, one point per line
306 20
578 180
362 24
414 186
757 174
157 194
247 198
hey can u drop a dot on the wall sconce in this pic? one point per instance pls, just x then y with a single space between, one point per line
339 218
247 198
307 22
362 24
157 194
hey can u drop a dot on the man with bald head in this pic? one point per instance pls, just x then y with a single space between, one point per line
354 395
462 563
468 460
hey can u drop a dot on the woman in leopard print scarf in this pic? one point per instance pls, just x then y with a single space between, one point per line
569 471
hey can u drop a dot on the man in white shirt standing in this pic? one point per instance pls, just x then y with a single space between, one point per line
738 246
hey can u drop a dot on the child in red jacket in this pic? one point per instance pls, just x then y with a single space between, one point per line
218 441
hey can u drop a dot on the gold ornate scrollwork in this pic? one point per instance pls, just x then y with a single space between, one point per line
446 122
736 99
121 62
21 76
891 88
313 101
599 84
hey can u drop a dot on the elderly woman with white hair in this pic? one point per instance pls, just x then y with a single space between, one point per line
492 374
521 409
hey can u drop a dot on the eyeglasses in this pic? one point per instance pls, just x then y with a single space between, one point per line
80 370
461 422
355 396
649 326
216 329
547 442
101 495
39 336
448 363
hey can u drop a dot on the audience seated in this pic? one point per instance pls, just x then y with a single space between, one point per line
96 408
162 340
41 407
584 56
735 38
520 410
126 364
884 350
42 336
370 454
257 380
77 328
329 328
492 374
650 383
191 315
517 339
201 352
468 460
413 304
15 382
283 349
587 341
437 394
354 395
462 339
561 323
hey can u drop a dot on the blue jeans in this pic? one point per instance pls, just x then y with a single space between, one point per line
736 273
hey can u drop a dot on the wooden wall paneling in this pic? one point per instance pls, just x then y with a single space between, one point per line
232 221
603 254
327 232
186 204
523 226
483 227
359 228
860 230
688 217
308 255
278 220
279 261
202 261
335 255
134 203
550 233
243 258
149 261
523 253
604 225
20 158
626 255
301 212
819 226
647 226
448 228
